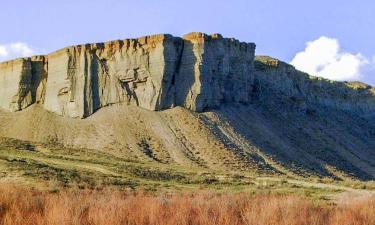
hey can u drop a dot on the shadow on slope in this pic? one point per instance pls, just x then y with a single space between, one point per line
324 143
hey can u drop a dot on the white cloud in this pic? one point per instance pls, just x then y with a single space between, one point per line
15 50
323 57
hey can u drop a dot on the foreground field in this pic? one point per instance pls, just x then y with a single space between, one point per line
257 138
52 184
20 206
52 168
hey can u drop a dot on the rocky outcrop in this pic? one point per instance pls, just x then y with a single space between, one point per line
22 82
214 70
155 72
276 79
85 78
197 71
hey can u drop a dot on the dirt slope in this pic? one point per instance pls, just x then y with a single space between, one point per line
260 138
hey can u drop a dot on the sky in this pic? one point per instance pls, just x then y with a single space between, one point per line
329 38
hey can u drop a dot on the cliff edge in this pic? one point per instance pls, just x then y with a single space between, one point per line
197 72
155 72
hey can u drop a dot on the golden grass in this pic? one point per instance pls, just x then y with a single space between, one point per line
21 206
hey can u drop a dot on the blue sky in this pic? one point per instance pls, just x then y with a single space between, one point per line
279 28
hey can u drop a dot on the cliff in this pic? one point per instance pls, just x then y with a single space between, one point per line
156 72
197 72
22 82
256 114
277 79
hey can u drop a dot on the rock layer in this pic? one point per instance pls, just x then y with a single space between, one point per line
197 71
153 72
214 70
22 82
85 78
276 79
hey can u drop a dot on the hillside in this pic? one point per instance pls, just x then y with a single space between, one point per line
266 139
243 120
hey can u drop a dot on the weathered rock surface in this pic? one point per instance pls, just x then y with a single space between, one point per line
214 70
22 82
276 79
85 78
197 71
153 72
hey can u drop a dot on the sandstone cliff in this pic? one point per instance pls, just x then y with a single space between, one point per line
22 82
276 79
214 70
197 71
153 72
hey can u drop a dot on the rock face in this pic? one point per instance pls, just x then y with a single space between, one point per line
153 72
214 70
197 71
82 79
22 82
276 79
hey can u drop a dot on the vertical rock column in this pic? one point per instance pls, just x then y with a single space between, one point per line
140 71
39 73
214 70
63 83
15 80
20 82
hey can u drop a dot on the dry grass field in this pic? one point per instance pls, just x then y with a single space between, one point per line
236 165
24 206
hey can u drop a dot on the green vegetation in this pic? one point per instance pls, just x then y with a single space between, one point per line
53 167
